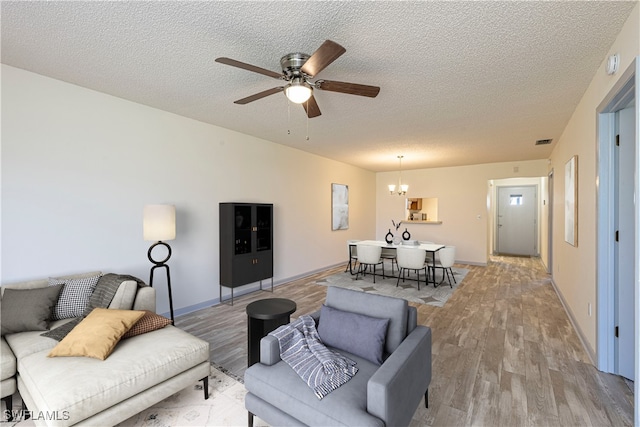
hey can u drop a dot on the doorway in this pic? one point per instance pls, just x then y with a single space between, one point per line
624 250
516 221
618 237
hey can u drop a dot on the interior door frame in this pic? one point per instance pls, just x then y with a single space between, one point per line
623 92
550 184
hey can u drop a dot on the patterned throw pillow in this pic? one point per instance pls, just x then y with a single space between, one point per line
149 322
74 297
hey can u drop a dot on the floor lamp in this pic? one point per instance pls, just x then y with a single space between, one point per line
159 223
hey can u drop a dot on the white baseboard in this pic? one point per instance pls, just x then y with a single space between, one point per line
590 352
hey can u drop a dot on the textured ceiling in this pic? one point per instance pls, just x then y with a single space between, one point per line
461 82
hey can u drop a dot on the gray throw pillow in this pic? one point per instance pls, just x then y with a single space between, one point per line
355 333
27 309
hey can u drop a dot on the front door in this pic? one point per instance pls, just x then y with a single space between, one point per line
516 221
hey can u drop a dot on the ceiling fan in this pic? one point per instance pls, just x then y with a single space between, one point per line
297 71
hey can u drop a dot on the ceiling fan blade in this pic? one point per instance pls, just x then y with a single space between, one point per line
328 52
311 107
259 95
249 67
351 88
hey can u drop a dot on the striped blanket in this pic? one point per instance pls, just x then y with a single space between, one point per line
301 348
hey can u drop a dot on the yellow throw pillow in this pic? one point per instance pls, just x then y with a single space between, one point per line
98 333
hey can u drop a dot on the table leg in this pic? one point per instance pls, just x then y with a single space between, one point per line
433 268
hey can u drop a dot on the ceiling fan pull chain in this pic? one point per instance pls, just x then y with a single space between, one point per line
307 120
288 117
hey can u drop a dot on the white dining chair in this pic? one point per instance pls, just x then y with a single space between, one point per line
353 255
445 259
412 259
369 255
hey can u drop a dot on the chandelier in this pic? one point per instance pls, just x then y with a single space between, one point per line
402 188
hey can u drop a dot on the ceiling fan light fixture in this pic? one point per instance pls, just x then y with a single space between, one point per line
298 91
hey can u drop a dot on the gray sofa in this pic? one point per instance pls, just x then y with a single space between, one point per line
141 370
378 395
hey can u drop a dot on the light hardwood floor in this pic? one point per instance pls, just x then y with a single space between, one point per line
504 350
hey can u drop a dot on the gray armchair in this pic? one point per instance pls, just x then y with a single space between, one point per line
378 395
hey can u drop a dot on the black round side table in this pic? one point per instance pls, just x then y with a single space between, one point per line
264 316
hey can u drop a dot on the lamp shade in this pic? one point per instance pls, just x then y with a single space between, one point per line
159 222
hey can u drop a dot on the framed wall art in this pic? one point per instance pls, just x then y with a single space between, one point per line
339 207
571 201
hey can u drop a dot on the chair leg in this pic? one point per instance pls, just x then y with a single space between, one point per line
249 419
8 403
374 273
400 270
452 276
358 270
25 411
418 274
205 387
426 399
445 273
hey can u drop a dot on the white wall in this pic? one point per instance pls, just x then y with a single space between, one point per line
574 268
78 166
463 195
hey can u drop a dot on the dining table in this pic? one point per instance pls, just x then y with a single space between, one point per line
431 248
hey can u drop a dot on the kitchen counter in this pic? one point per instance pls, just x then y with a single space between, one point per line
419 221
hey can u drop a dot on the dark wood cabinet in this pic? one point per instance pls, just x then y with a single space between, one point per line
246 244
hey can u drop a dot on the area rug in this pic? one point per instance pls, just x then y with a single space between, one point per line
407 289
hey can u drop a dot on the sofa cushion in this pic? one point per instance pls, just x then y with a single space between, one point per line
281 387
27 309
25 343
356 333
395 309
7 361
125 295
85 386
74 297
147 323
97 334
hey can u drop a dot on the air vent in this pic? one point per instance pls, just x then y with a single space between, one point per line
543 141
